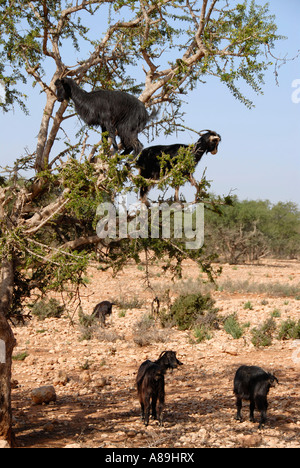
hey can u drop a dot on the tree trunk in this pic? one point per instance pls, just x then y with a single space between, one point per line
41 163
7 343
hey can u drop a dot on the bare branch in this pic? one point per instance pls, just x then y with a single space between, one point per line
42 217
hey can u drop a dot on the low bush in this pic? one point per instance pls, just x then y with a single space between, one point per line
232 326
145 332
262 336
189 309
289 330
202 333
43 309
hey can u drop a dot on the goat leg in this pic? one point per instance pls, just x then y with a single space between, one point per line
154 400
239 405
146 410
143 412
252 408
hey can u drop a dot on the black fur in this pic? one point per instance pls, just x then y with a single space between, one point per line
117 112
253 383
151 384
149 164
101 310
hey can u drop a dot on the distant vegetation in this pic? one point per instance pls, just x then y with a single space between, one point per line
250 230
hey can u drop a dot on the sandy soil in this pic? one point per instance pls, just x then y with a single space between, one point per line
94 379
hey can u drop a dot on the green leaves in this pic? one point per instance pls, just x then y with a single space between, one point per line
240 40
235 44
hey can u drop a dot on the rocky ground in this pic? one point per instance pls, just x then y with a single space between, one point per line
94 379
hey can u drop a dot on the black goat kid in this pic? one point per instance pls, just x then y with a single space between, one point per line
117 112
253 383
151 384
149 163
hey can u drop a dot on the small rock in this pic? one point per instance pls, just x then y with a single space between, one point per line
43 395
61 378
4 444
203 436
85 377
48 427
100 383
14 384
72 446
247 441
131 433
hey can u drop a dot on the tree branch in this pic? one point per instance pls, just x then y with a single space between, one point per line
46 214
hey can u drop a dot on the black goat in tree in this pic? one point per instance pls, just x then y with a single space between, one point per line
149 164
117 112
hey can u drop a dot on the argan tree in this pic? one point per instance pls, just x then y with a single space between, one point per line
49 197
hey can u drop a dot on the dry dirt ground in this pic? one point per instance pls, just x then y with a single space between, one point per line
94 379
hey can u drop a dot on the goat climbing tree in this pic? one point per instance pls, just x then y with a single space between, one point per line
47 217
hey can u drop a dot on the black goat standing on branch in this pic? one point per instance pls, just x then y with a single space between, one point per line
149 164
253 383
117 112
151 384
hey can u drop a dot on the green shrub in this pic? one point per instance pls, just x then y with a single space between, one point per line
20 356
248 305
232 326
44 309
289 330
85 320
187 309
262 336
202 333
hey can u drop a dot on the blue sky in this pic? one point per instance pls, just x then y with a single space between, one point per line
259 156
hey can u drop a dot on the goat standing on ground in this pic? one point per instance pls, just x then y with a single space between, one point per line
253 383
117 112
101 310
149 163
151 384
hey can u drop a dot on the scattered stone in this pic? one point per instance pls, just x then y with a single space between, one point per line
247 441
203 436
61 378
100 382
14 384
49 427
42 395
4 444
